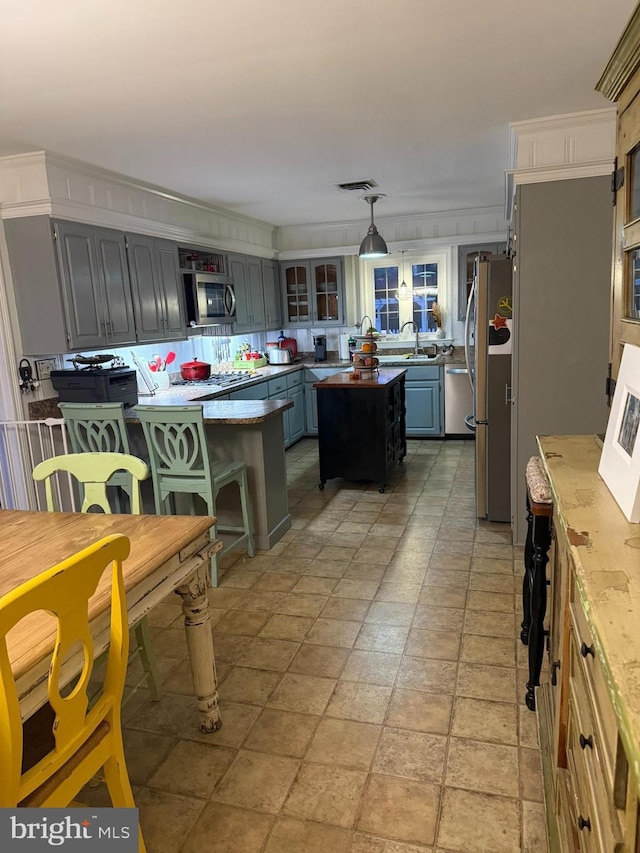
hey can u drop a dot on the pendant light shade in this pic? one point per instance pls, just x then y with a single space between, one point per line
373 246
404 291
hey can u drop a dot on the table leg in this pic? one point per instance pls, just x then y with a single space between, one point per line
526 586
541 543
197 624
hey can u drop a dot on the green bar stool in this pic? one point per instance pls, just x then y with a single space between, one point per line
180 463
100 428
94 471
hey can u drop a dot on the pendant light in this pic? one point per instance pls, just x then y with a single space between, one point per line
373 246
404 291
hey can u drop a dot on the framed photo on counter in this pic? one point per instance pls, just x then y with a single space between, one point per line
620 460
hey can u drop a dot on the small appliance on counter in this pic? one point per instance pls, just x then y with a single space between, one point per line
280 356
288 343
320 347
96 385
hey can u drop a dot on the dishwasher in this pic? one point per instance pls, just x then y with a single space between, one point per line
458 401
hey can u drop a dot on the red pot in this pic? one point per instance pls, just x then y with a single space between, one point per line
195 370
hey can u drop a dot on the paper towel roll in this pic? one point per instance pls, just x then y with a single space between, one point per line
343 347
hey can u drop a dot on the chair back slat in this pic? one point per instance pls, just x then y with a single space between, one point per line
93 471
177 448
64 592
96 427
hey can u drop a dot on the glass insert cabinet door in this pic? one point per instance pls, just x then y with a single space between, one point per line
327 303
296 279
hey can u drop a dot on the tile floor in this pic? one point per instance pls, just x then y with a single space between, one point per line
371 682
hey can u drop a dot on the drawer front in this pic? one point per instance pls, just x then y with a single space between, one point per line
591 667
580 693
295 380
417 373
278 386
597 823
253 392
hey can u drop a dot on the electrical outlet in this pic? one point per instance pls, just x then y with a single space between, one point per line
44 366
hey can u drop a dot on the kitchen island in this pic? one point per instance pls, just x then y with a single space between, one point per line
249 431
361 426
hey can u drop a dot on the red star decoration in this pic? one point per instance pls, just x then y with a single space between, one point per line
499 322
86 822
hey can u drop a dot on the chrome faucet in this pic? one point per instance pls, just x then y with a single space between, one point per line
416 349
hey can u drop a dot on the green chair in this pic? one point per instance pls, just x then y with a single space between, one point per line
93 471
180 464
100 428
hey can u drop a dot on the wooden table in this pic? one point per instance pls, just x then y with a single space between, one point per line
167 553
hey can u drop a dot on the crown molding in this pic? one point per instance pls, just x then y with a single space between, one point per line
39 183
624 61
515 177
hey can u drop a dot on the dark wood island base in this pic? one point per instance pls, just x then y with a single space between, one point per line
361 426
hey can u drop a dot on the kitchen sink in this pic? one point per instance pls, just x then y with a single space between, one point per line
407 358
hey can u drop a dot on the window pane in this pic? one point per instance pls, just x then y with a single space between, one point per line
385 287
425 293
634 189
633 306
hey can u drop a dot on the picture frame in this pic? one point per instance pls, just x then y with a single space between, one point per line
620 459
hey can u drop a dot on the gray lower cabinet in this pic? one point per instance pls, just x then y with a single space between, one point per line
311 375
424 400
156 288
246 273
287 387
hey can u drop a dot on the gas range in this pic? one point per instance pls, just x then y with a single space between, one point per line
220 379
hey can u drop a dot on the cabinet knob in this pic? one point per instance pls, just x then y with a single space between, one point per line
584 823
587 650
586 741
555 666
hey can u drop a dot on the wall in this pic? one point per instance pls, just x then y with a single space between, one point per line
561 315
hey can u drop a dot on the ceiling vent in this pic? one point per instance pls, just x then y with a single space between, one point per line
358 186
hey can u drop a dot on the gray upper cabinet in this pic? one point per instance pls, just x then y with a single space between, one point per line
312 292
466 256
71 285
115 287
247 275
158 303
271 290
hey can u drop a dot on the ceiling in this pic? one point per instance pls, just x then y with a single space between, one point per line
263 107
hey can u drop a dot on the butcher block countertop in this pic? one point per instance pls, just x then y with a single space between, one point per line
345 380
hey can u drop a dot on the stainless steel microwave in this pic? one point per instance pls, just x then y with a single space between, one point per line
210 299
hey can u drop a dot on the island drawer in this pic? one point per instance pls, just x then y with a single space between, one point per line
277 386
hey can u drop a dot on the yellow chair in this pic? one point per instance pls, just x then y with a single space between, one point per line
94 471
86 738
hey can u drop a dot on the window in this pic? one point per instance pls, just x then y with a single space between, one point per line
389 312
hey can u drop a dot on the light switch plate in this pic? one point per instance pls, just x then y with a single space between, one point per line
44 366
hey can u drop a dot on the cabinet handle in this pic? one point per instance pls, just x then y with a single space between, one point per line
586 741
584 823
587 650
555 666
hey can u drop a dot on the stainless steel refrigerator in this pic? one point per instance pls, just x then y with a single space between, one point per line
488 349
